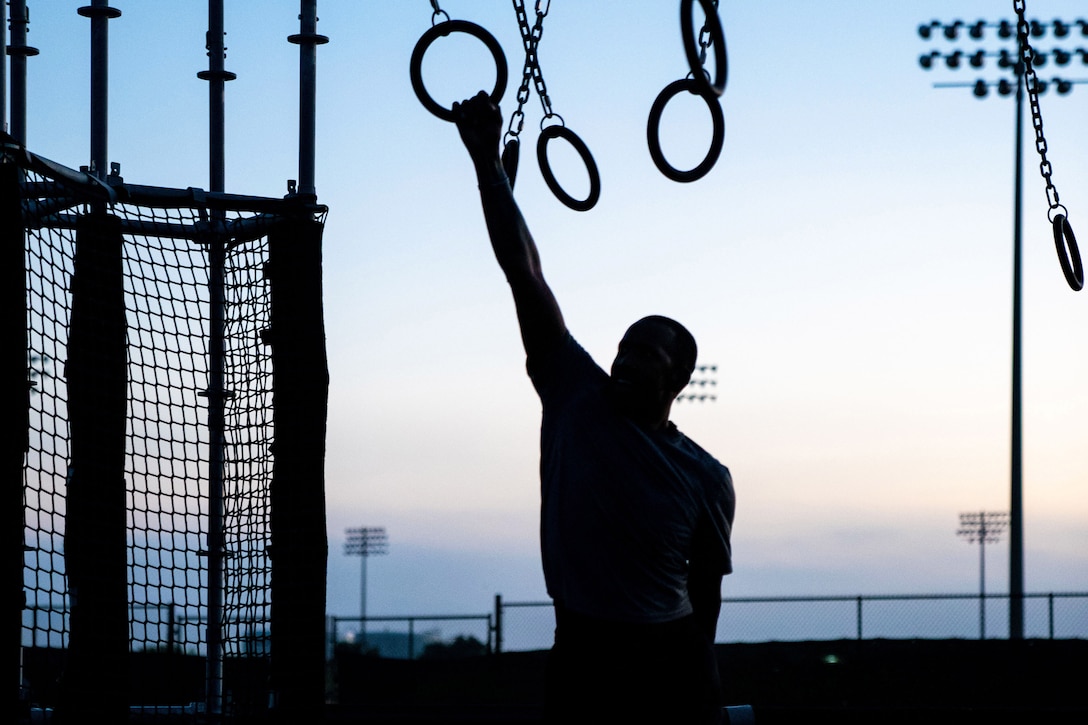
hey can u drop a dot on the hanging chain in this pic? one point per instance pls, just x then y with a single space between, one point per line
517 118
705 39
1031 83
530 38
1065 241
538 77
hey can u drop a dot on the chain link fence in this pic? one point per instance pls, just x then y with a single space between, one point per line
524 626
529 625
413 637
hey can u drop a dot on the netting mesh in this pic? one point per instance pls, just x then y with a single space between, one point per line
49 267
248 431
198 460
166 303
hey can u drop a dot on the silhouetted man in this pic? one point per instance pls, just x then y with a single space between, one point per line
635 517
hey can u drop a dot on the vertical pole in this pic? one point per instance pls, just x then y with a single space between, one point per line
217 78
3 74
498 623
100 14
99 93
216 393
307 39
93 685
982 577
19 52
299 549
859 617
1050 613
1016 516
362 602
216 442
15 419
171 632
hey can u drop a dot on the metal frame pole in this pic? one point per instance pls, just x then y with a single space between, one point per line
4 78
216 546
100 14
307 39
19 52
216 393
217 78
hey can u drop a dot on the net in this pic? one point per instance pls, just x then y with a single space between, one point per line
191 469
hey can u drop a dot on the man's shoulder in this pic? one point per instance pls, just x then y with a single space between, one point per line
710 462
687 442
565 361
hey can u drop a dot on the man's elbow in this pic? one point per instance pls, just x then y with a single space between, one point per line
705 592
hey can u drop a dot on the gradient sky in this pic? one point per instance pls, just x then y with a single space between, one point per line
847 265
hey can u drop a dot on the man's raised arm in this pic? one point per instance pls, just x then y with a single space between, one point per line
479 122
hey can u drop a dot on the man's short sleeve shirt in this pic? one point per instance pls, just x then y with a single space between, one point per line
623 510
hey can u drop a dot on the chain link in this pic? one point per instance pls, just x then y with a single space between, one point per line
531 73
538 77
1065 241
517 118
1031 83
705 39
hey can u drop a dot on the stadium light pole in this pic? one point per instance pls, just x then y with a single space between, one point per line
985 527
1008 61
364 542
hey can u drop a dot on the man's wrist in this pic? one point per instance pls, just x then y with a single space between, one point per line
495 183
491 174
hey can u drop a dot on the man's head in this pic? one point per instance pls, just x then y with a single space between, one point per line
653 364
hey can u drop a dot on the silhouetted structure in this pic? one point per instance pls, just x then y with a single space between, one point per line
1008 61
365 542
984 527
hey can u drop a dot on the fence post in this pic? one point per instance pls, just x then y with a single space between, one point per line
860 599
171 624
498 623
1050 613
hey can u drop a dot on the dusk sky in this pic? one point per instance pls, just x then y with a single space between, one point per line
846 265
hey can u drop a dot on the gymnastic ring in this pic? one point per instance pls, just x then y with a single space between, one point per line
653 131
1068 252
717 40
441 30
579 145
